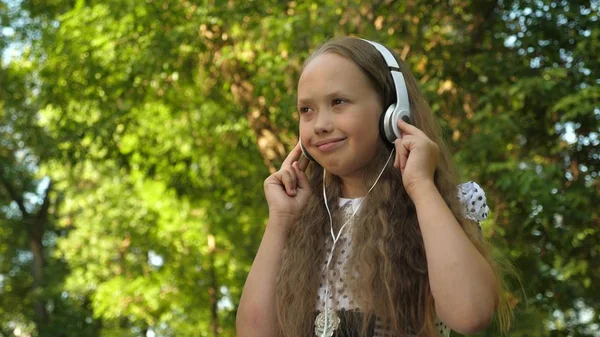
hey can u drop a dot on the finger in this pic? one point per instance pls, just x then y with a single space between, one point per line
303 163
409 129
404 152
302 178
288 178
294 155
397 145
402 149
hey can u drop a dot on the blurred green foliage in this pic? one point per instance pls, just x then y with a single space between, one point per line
135 137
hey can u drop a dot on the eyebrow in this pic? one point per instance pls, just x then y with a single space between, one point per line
303 101
330 95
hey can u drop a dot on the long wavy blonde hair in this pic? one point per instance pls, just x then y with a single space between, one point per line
387 247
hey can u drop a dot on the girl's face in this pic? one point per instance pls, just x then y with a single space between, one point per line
339 114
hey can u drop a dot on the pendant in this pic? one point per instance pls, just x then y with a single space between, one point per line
333 321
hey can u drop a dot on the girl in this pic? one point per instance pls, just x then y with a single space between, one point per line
358 245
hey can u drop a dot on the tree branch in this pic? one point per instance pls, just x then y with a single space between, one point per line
14 195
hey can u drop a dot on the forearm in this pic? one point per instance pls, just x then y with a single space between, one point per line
257 314
462 281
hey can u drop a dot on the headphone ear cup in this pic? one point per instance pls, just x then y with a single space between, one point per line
405 116
386 127
388 124
382 128
305 152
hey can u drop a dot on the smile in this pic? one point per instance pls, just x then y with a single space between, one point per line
329 146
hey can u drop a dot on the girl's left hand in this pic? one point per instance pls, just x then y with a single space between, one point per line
416 156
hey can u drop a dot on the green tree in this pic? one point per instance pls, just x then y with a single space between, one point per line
157 122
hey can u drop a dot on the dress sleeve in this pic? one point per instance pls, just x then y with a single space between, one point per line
472 198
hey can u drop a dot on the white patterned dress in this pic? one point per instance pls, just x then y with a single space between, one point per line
473 199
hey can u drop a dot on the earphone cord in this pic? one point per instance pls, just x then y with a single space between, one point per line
335 238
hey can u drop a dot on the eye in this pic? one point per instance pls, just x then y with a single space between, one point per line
338 101
303 109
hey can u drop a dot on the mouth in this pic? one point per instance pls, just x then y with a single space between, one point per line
329 144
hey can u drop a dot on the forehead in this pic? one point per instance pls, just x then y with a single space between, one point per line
328 70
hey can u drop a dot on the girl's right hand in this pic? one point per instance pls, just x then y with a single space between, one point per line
288 189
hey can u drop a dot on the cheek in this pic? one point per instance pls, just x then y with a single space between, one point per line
367 139
366 129
304 130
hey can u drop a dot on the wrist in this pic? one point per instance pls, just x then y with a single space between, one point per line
420 190
280 223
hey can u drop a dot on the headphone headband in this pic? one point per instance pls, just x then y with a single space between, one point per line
390 60
401 109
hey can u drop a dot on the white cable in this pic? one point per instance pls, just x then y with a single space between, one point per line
335 238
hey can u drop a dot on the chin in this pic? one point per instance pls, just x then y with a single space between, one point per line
344 170
332 167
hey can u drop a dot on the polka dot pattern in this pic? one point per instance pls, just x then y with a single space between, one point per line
442 328
473 199
338 298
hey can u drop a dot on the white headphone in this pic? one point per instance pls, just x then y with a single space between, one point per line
400 109
388 124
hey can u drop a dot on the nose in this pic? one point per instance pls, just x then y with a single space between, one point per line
323 123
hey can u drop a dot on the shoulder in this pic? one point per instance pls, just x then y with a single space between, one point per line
472 197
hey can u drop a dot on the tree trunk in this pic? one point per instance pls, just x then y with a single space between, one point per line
213 291
35 226
38 227
37 270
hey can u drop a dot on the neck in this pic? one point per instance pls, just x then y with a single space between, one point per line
353 187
